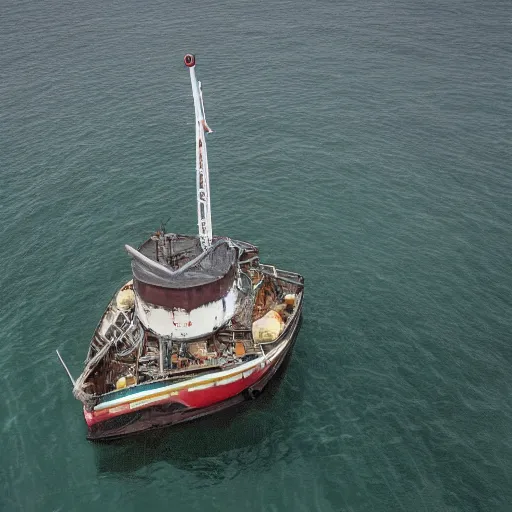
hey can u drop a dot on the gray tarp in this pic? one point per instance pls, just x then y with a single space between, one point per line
208 266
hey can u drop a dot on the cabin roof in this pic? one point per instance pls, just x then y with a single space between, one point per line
178 261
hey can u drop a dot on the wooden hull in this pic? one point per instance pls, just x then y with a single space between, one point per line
142 408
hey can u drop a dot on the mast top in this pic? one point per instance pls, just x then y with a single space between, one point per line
190 60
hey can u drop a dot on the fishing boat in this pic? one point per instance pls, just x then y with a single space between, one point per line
202 324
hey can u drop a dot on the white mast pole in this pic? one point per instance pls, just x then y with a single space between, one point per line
204 218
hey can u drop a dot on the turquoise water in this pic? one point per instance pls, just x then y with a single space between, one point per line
364 145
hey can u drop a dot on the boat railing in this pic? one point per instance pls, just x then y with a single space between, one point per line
282 275
118 333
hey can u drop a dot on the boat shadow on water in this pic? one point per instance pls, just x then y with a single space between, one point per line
213 447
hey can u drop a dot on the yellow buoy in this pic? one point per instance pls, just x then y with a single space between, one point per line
267 328
125 299
289 299
124 382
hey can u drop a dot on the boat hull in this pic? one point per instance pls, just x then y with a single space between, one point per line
193 400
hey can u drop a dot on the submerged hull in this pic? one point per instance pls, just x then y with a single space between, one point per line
144 410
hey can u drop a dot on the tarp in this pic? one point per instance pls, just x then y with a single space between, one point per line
203 268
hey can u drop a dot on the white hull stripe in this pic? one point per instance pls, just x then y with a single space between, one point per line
203 386
248 373
140 403
229 380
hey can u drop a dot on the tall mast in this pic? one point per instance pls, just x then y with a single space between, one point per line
204 218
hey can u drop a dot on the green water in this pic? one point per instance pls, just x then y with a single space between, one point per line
365 146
